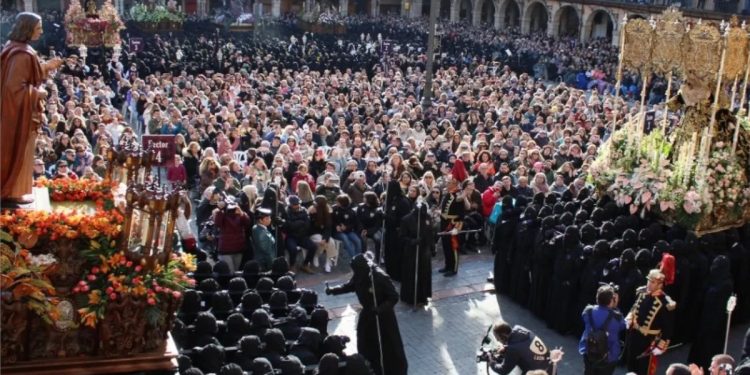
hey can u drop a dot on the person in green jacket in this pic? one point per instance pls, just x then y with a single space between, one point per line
263 241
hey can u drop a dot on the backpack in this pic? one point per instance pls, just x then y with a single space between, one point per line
495 214
597 346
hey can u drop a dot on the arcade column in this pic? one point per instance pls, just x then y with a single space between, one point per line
498 19
344 7
29 5
276 8
202 11
416 9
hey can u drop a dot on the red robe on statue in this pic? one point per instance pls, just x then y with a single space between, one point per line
21 75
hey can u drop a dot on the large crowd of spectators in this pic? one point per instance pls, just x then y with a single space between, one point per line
310 130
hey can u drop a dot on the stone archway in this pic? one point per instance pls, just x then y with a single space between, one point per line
567 22
445 9
535 18
511 14
600 24
465 11
486 12
636 16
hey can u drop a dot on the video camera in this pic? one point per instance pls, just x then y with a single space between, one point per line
485 354
488 349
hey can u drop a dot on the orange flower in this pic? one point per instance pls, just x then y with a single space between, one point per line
88 317
95 297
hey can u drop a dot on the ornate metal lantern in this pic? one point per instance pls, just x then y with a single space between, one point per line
149 223
130 159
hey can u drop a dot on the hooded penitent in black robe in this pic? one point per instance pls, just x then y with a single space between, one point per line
709 339
561 303
541 266
397 205
376 316
521 262
417 234
503 245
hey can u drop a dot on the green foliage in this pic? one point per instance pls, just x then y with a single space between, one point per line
156 14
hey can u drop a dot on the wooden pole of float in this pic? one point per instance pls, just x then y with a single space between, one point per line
743 95
618 77
705 152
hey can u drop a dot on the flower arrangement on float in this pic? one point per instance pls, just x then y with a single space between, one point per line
103 29
24 278
31 227
79 190
114 276
94 292
647 176
155 14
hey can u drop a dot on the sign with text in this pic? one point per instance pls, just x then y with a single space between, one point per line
163 147
136 44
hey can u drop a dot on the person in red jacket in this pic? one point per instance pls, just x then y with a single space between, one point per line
232 224
177 174
489 198
302 175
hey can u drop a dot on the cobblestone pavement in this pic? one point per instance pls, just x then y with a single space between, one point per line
443 338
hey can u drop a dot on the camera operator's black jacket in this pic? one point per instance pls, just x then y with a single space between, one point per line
524 350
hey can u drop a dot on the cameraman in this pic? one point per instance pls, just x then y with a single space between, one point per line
232 223
600 342
519 347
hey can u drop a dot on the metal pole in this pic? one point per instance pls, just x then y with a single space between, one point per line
416 257
731 303
427 91
377 319
379 258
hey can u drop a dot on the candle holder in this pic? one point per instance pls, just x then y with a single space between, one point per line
129 158
149 223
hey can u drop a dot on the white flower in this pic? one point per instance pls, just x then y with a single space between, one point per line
42 260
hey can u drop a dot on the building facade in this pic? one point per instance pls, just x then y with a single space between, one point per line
583 19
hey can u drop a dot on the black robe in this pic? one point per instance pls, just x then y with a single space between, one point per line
397 205
394 358
503 247
561 306
711 327
413 239
541 270
521 262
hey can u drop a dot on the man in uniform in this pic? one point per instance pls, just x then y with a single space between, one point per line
452 208
264 242
650 321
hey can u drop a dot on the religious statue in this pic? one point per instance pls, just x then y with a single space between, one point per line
91 11
695 98
21 106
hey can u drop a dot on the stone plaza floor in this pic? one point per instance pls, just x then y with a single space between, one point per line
443 338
